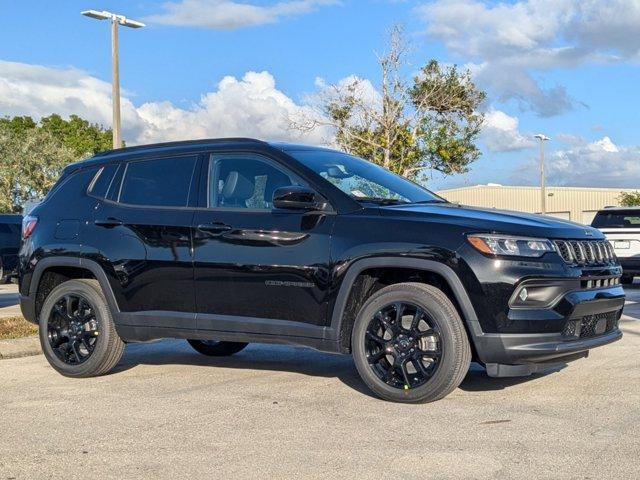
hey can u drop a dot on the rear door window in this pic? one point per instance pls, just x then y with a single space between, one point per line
617 219
161 182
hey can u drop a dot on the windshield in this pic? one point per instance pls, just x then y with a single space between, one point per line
617 219
363 181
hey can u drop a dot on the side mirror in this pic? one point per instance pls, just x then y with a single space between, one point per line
296 197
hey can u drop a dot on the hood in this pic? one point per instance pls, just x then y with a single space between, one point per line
484 220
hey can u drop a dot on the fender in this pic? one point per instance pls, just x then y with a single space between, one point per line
468 312
77 262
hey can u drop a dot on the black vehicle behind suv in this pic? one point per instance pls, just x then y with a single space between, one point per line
226 242
9 246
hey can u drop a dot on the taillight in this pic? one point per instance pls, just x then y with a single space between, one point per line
29 223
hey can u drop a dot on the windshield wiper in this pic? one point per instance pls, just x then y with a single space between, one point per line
434 200
382 200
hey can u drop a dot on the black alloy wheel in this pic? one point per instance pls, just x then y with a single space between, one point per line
403 345
409 343
72 329
77 332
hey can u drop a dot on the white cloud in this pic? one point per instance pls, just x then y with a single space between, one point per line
229 15
250 107
601 163
510 40
500 133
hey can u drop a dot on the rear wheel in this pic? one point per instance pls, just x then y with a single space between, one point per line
213 348
626 279
77 333
409 344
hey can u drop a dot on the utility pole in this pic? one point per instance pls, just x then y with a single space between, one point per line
116 20
115 87
543 192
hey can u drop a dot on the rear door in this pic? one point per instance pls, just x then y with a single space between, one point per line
144 231
253 261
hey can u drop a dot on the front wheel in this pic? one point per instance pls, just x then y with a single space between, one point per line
409 344
213 348
626 279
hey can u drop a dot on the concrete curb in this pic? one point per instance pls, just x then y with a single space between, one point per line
20 347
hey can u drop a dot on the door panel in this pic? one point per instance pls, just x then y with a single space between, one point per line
144 233
251 260
155 270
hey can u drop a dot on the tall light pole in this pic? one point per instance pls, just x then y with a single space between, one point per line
543 193
115 80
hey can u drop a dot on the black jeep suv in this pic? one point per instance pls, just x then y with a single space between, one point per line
225 242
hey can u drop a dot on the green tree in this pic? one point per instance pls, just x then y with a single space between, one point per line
30 163
32 154
630 199
428 122
82 137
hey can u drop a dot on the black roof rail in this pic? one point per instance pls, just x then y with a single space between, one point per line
202 141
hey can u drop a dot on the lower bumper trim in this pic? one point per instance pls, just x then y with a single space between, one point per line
523 349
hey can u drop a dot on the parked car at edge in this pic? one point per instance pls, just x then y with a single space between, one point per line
9 246
232 241
621 226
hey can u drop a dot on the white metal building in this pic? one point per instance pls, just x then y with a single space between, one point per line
578 204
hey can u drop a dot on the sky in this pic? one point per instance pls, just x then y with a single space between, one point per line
214 68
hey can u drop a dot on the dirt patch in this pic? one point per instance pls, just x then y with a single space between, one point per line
16 327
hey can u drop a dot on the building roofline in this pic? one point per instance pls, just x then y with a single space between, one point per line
523 187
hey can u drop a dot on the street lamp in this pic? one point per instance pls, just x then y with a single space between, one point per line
543 195
115 81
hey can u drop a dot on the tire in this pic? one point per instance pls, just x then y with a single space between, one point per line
450 341
626 279
211 348
106 348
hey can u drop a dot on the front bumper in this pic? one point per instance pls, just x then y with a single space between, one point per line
581 320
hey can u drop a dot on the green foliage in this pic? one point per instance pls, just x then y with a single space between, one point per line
82 137
428 122
630 199
32 155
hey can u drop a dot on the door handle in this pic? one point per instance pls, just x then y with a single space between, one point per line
109 222
215 227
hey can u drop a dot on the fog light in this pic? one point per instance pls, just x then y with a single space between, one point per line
523 295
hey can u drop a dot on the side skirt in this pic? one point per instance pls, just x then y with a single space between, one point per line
148 326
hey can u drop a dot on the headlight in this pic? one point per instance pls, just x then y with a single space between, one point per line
511 246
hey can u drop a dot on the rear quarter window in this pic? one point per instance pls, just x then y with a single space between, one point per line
102 181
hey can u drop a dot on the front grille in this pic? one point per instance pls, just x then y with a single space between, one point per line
585 252
592 325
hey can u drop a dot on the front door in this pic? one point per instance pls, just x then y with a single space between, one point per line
254 262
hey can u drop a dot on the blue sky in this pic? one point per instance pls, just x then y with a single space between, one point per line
566 68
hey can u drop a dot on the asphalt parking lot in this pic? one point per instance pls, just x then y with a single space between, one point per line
285 412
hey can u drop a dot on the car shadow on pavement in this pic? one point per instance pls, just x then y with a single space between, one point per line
277 358
284 358
477 379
